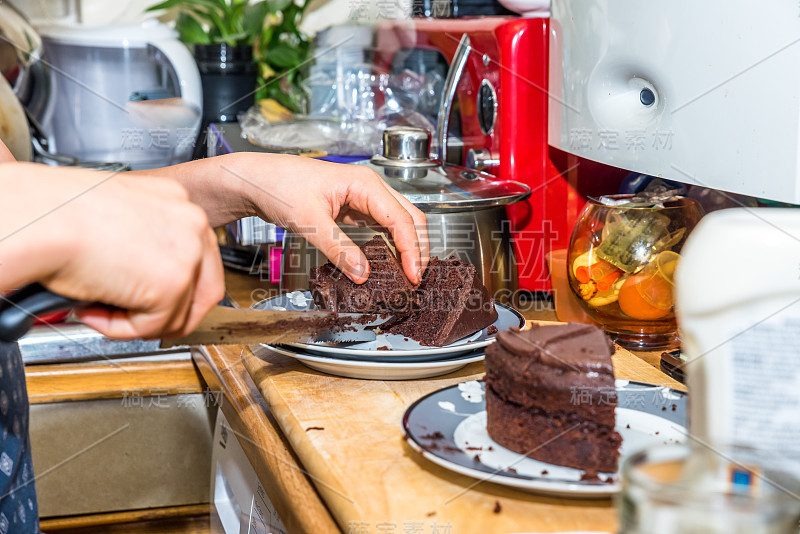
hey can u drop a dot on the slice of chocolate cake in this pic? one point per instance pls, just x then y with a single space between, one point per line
450 303
453 303
387 290
550 395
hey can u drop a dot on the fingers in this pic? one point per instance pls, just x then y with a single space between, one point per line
420 225
340 249
354 218
210 285
372 197
111 322
178 312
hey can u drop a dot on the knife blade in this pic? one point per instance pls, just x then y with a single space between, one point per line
223 325
230 326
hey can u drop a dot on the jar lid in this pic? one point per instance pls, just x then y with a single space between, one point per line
430 185
110 36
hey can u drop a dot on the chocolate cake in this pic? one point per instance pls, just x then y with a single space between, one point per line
453 303
550 395
387 290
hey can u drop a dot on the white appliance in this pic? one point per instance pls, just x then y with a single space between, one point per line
88 12
706 93
123 93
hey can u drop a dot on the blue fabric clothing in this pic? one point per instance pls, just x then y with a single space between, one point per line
19 513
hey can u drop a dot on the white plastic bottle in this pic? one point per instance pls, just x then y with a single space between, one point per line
738 308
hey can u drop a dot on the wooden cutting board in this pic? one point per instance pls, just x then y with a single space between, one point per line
347 434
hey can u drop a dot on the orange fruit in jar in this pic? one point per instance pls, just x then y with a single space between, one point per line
645 297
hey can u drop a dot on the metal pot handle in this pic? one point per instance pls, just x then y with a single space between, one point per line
449 93
182 63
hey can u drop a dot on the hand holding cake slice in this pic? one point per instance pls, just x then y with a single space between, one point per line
550 395
450 303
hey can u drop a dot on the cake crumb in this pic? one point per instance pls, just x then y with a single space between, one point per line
545 472
511 470
497 507
674 407
430 514
470 448
384 348
663 408
590 476
657 432
477 458
315 428
628 426
433 435
491 330
490 448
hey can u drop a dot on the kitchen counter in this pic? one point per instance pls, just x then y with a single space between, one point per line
330 454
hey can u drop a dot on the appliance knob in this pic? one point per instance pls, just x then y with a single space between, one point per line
403 143
481 159
487 107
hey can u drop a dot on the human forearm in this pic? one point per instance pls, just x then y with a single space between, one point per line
33 241
308 197
215 184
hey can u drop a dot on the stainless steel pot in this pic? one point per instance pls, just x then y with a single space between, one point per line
465 210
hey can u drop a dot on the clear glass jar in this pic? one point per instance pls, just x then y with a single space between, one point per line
621 261
668 489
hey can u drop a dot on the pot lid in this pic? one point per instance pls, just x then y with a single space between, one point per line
429 185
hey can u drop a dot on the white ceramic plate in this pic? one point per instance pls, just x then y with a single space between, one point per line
301 300
448 427
378 370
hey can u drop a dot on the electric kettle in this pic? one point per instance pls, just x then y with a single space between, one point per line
122 93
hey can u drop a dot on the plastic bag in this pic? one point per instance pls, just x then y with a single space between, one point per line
349 121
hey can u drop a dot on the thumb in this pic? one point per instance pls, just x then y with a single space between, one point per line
340 249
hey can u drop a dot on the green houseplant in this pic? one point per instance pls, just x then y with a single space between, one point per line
270 27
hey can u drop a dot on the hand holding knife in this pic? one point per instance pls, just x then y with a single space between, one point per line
222 325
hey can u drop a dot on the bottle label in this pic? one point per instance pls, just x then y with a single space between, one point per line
764 390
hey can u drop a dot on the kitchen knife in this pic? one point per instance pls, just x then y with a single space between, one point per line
222 325
243 327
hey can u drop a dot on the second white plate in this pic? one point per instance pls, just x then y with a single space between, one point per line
368 370
448 427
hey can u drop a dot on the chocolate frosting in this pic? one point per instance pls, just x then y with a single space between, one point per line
541 380
553 366
574 347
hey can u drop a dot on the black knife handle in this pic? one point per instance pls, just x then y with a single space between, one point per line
19 309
